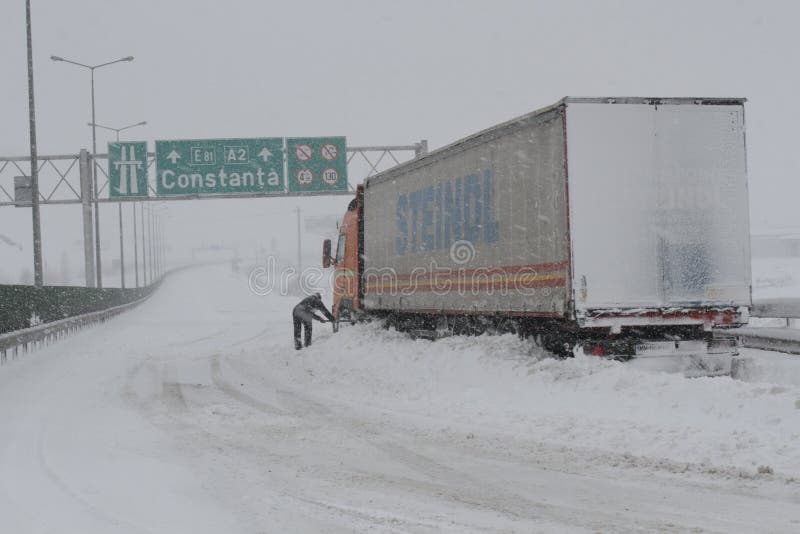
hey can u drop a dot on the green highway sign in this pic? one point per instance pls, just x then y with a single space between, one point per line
217 166
316 164
127 169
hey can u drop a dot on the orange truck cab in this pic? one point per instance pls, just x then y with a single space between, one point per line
347 262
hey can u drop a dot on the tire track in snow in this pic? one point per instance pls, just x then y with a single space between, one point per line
439 481
232 391
198 340
94 511
168 394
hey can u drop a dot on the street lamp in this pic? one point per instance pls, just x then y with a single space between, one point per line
153 251
38 279
117 130
119 207
94 160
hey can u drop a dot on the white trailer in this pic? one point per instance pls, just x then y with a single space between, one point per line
620 224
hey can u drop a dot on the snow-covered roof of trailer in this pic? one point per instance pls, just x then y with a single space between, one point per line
540 115
696 100
534 117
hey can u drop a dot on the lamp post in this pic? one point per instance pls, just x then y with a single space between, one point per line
299 253
38 279
135 248
144 247
118 130
147 239
94 160
154 249
119 208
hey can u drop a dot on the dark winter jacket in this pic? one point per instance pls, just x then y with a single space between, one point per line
305 309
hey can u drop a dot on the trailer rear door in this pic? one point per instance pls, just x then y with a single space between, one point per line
658 205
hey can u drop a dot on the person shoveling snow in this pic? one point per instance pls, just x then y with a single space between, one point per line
303 314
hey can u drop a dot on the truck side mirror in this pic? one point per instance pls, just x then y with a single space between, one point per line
326 253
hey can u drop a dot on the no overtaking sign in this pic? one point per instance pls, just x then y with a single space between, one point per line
316 164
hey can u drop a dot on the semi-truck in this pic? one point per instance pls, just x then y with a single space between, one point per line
615 225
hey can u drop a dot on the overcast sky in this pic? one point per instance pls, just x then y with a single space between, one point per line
390 72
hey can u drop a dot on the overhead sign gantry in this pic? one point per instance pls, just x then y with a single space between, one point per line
230 166
304 166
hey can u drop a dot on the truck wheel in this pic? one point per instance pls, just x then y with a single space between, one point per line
506 326
559 346
346 314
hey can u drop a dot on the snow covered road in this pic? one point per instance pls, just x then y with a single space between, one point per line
193 413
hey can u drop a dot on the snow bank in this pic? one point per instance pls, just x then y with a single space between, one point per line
500 385
776 278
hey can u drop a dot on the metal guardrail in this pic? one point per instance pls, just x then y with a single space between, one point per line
780 339
774 339
32 338
23 306
28 339
785 308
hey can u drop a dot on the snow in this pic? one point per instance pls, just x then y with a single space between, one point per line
603 404
193 413
776 278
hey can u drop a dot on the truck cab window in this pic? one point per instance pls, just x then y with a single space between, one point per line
340 249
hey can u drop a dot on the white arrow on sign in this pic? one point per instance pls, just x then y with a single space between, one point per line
174 156
265 154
